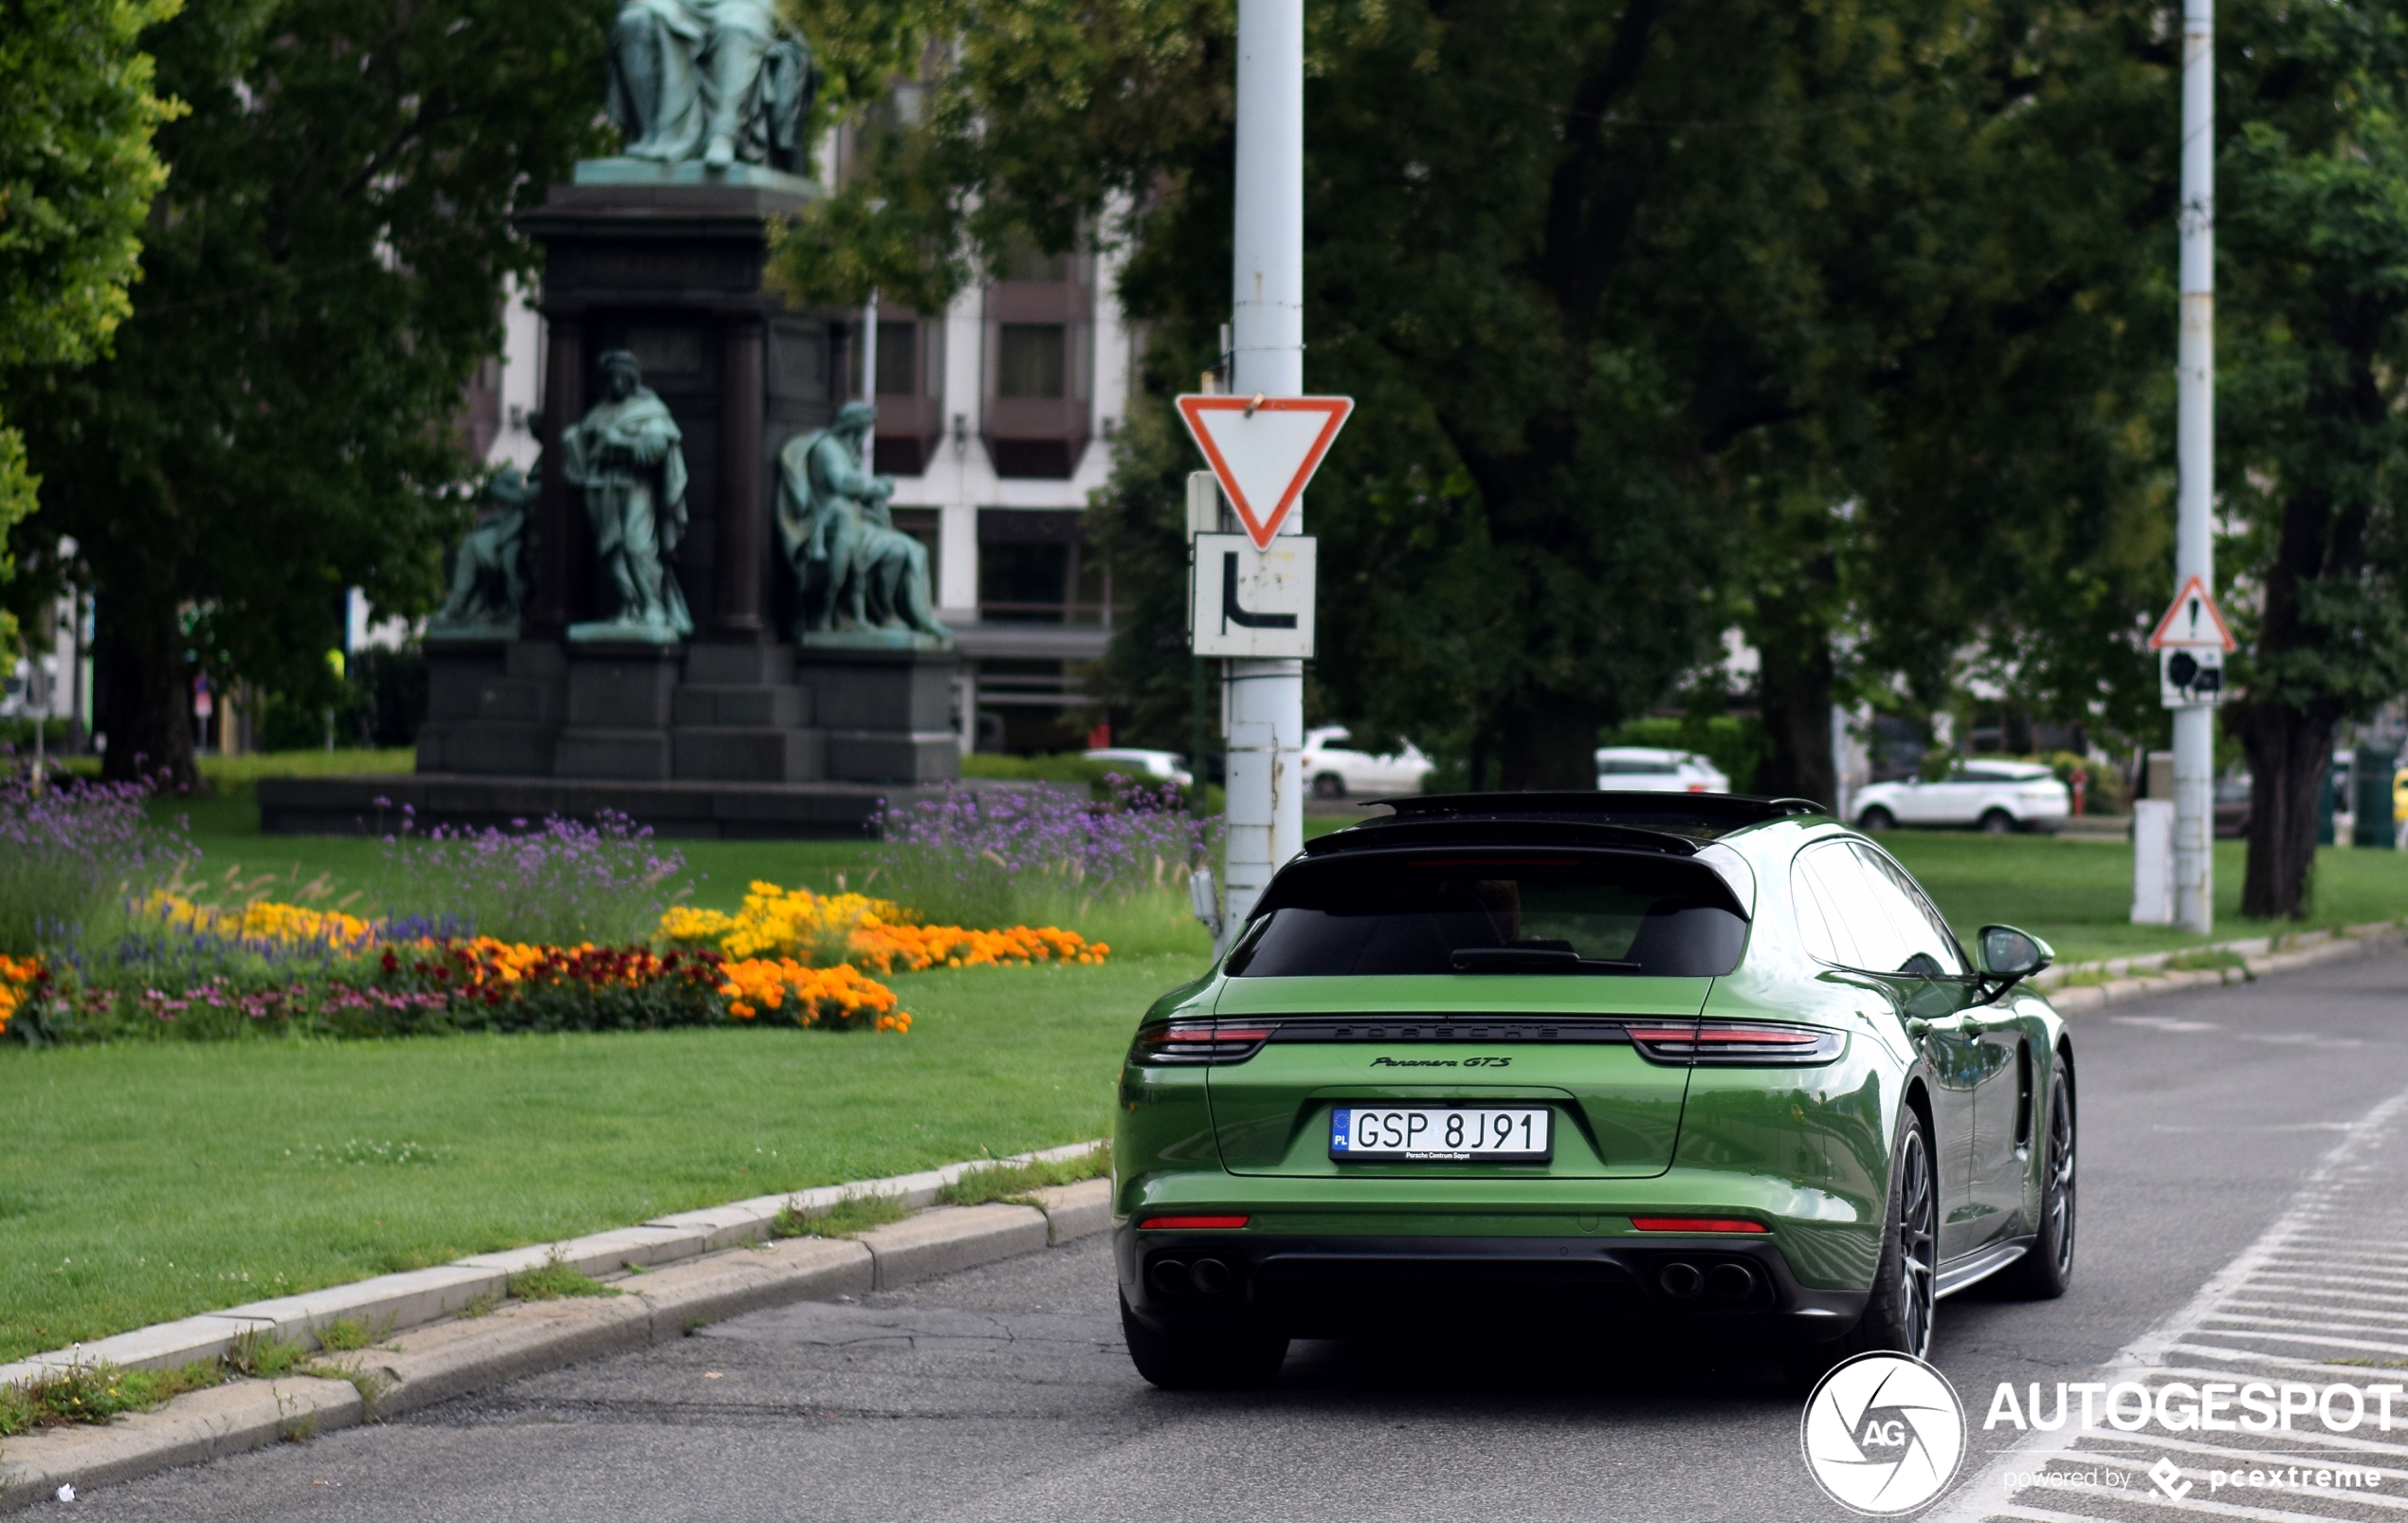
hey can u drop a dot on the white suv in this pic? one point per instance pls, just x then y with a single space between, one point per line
1996 797
1653 769
1333 770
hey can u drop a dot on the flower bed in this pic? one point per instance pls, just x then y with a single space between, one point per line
557 925
790 957
826 930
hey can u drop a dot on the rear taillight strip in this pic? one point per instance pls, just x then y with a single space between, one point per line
1202 1042
1737 1044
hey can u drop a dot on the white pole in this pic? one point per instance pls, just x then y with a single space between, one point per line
1266 345
2194 446
869 350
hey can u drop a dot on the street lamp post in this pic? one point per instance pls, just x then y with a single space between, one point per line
1266 358
2195 448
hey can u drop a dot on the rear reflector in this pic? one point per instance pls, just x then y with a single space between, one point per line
1193 1224
1697 1224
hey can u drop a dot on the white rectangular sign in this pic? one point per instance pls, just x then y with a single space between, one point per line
1249 603
2190 676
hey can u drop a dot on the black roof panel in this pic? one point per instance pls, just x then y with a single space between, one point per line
1696 816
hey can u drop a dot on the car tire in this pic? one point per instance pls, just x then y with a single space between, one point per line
1876 819
2047 1268
1996 822
1330 785
1898 1316
1223 1360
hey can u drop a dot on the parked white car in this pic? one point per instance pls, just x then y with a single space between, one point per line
1996 797
1653 769
1163 766
1333 770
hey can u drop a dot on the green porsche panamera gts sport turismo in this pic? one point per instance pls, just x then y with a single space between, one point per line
1677 1066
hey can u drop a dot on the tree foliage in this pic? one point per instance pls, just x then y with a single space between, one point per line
2312 470
1985 496
77 175
324 268
1832 322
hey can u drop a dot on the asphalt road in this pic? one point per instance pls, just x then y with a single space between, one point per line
1003 1393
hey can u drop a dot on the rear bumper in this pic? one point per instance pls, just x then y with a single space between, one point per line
1331 1286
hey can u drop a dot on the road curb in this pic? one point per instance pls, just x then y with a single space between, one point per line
439 1360
229 1419
2323 948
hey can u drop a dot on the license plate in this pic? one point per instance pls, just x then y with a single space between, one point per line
1442 1133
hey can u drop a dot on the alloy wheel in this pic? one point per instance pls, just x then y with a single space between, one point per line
2056 1200
1918 1234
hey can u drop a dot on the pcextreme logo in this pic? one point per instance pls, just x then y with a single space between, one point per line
1882 1434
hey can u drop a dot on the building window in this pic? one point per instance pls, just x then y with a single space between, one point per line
1029 362
898 360
1023 583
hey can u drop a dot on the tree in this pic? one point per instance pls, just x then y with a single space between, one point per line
1826 322
324 268
1985 492
2312 467
77 175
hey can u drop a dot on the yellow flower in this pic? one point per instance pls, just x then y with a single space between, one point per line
262 920
833 996
833 929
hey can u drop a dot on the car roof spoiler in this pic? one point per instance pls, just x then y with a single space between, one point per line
1690 817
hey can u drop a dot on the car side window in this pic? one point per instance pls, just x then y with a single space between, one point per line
1859 930
1814 922
1918 923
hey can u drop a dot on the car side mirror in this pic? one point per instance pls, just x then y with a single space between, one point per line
2007 956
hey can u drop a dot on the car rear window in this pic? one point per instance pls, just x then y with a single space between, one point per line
1381 916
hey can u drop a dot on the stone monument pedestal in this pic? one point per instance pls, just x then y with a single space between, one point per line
733 732
889 713
492 705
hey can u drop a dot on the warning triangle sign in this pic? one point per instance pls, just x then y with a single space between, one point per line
1265 450
2194 620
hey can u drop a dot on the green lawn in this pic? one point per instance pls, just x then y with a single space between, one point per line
145 1181
2077 892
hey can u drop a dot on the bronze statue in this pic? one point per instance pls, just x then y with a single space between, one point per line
849 560
489 572
713 79
624 456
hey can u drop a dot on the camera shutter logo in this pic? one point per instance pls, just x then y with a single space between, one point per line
1882 1434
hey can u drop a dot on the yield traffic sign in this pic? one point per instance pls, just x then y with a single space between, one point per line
1265 450
2194 621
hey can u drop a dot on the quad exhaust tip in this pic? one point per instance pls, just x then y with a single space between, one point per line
1731 1282
1684 1281
1174 1277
